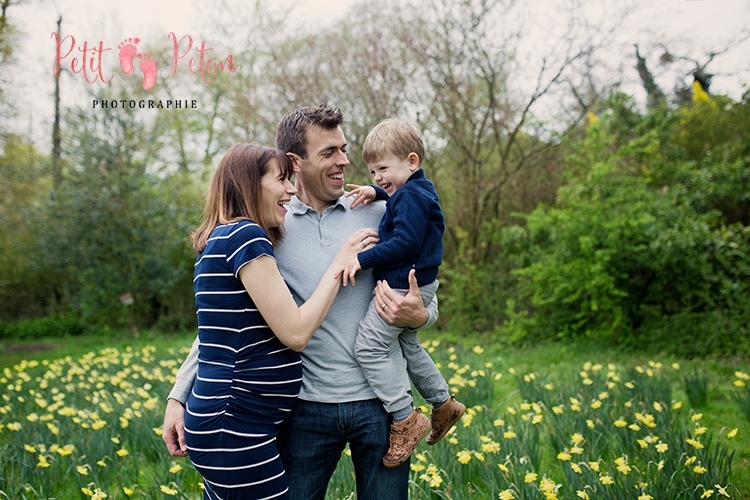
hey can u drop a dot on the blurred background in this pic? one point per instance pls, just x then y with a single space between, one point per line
591 156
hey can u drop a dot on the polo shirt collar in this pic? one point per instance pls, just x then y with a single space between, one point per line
297 207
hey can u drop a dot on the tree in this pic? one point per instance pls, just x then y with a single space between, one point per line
639 247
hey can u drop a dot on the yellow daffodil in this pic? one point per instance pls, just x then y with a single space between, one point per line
732 433
606 479
464 456
98 495
506 495
167 490
694 443
491 447
530 477
722 491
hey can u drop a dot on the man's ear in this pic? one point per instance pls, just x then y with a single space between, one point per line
295 161
413 160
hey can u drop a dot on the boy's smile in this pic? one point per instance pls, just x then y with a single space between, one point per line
391 172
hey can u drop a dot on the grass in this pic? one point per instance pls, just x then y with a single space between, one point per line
498 384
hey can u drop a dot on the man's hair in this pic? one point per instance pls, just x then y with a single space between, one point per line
395 137
291 133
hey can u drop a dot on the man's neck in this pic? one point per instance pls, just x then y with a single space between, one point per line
316 204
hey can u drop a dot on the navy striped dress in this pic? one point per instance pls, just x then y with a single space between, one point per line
247 379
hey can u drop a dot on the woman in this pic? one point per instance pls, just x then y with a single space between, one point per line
250 328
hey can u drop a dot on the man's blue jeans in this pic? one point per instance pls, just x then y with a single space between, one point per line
313 437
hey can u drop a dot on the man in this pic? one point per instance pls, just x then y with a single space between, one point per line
336 405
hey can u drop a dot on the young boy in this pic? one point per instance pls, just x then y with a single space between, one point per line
411 234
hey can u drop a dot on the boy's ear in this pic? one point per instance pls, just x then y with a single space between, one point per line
295 161
413 160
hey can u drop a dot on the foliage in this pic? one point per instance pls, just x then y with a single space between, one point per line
23 288
111 227
695 385
640 241
42 328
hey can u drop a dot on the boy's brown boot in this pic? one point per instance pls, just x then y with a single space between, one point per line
405 436
444 417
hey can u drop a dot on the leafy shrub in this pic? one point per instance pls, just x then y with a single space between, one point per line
641 246
39 328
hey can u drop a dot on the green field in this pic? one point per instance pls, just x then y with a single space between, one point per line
82 420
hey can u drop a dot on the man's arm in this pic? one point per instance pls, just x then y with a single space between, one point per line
186 376
406 311
173 429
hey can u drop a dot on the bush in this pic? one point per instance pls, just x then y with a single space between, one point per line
640 246
66 325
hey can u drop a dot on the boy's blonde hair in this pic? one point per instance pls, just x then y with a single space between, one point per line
393 136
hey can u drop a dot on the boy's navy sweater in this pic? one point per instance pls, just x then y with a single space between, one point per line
411 235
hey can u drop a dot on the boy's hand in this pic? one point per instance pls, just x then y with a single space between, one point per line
348 271
362 195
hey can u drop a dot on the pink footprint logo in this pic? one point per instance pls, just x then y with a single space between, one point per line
148 67
128 50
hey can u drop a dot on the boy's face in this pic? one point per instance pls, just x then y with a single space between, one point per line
391 172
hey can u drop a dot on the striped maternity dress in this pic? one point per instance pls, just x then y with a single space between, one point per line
247 379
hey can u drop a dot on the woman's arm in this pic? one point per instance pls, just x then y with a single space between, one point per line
293 325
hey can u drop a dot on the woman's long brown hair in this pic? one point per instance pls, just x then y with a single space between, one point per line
235 193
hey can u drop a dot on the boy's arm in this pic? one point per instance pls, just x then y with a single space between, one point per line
365 194
411 216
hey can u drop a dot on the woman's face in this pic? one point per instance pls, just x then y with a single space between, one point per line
276 191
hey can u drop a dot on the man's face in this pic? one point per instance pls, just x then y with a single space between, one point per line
320 176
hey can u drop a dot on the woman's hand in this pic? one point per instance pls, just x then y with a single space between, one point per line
345 262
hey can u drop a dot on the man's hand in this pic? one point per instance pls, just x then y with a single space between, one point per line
173 430
405 311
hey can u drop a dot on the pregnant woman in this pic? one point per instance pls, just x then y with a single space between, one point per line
250 330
